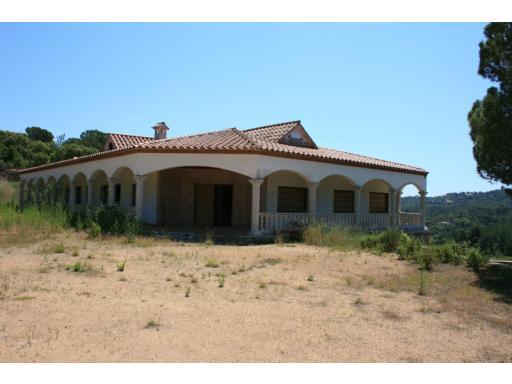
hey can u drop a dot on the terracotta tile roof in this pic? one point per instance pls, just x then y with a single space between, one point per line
272 132
124 141
262 140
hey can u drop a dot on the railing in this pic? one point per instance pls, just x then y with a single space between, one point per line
375 220
270 222
410 218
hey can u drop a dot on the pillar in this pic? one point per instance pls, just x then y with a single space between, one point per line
255 205
90 188
139 195
312 186
112 190
392 207
423 208
357 205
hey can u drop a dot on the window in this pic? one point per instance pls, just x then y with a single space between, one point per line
118 193
134 194
110 146
292 199
378 202
343 201
78 195
104 194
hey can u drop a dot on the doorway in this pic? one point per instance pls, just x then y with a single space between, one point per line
213 205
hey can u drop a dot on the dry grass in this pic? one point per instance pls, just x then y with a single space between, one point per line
191 302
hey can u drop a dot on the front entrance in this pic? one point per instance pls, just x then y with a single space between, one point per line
213 205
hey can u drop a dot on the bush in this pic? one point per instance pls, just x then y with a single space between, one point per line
476 259
385 241
337 237
451 252
94 230
426 258
120 266
408 247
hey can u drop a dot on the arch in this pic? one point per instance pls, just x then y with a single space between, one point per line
124 184
335 194
79 184
376 180
297 173
187 197
420 189
274 184
377 196
100 187
63 189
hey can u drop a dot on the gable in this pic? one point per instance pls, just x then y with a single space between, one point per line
297 137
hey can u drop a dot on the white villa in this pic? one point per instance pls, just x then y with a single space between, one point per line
259 180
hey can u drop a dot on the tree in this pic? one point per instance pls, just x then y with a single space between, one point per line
490 119
93 138
39 134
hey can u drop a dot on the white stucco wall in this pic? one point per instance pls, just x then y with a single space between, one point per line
253 166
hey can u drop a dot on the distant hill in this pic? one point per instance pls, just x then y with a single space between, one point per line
483 218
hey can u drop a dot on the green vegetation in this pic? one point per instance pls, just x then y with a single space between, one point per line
77 266
337 238
489 118
120 266
482 219
37 147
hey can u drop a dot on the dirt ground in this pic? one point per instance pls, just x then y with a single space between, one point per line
278 303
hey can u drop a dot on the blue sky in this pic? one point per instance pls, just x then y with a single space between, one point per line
400 92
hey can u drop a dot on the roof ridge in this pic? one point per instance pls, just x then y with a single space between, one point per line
126 134
185 136
272 125
251 140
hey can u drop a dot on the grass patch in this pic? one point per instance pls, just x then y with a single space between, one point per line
212 263
120 266
337 238
24 298
272 260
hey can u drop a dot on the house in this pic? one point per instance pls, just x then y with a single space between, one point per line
260 180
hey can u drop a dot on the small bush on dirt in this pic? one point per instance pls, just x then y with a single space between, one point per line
408 247
422 287
212 263
476 259
337 237
310 278
94 230
187 292
385 241
120 265
426 258
152 324
58 248
221 281
77 267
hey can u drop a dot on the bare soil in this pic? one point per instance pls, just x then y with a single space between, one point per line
278 303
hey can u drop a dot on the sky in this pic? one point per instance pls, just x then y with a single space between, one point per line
399 92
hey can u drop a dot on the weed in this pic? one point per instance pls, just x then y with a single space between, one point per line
311 278
221 281
358 301
262 285
476 259
183 274
177 285
25 298
272 261
193 280
75 253
152 324
122 278
422 288
212 263
302 288
94 230
58 248
120 265
187 292
77 267
168 279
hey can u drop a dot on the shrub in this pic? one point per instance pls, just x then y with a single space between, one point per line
187 292
390 238
476 259
337 237
426 258
212 263
58 248
221 281
94 230
120 265
451 252
77 267
408 247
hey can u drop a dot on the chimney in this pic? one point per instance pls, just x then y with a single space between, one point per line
160 130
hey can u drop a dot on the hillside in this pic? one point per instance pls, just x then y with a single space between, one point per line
483 218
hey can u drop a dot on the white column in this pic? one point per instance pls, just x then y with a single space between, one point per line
139 195
392 206
112 190
255 205
423 208
357 205
399 201
90 187
21 194
312 197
